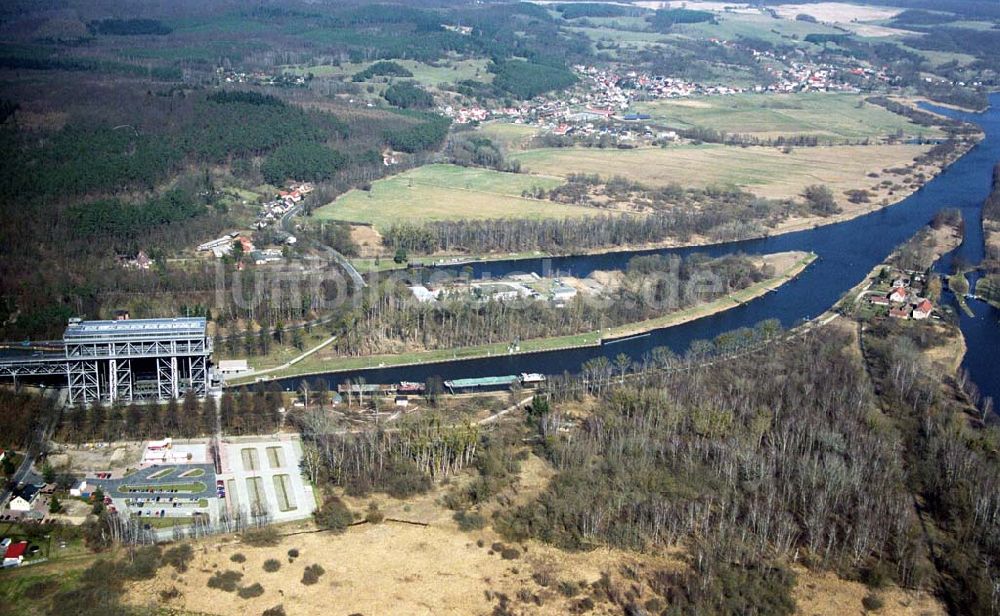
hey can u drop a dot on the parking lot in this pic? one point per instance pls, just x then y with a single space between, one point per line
162 481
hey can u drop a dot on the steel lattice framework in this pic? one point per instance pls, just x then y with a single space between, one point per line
127 360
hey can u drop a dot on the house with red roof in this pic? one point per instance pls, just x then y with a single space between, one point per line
14 555
898 295
923 309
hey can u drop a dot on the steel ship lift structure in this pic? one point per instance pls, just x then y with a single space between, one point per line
128 360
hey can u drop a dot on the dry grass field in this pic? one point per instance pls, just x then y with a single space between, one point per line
448 192
764 171
398 568
392 567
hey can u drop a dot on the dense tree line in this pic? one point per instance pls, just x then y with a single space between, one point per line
503 235
662 20
408 95
426 135
524 79
24 415
302 161
126 222
242 412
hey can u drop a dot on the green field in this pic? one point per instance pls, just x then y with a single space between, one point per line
764 171
448 192
830 116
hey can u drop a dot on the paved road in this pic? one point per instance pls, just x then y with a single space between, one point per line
22 472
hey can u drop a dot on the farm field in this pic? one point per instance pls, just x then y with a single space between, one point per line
448 192
764 171
829 116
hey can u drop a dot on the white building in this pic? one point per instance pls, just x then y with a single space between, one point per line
24 497
228 367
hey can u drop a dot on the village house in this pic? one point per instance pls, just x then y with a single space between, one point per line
14 555
898 295
923 310
879 300
23 498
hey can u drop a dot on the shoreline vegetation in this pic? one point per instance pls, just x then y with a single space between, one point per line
799 262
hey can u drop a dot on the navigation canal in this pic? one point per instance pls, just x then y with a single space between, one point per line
847 251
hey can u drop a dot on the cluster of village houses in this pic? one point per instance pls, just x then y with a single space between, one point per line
605 94
270 212
904 300
260 78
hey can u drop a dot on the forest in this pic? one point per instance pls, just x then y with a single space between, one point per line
408 95
662 20
149 174
742 452
651 286
525 79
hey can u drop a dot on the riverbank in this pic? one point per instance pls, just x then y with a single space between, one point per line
788 265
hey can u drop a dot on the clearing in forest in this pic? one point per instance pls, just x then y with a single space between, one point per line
449 192
828 116
764 171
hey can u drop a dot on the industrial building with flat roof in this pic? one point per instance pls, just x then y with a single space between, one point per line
122 361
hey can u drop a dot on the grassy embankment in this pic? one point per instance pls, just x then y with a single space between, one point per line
317 364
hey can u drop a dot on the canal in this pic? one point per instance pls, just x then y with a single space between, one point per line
847 251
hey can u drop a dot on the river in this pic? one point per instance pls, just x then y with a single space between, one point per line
847 252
